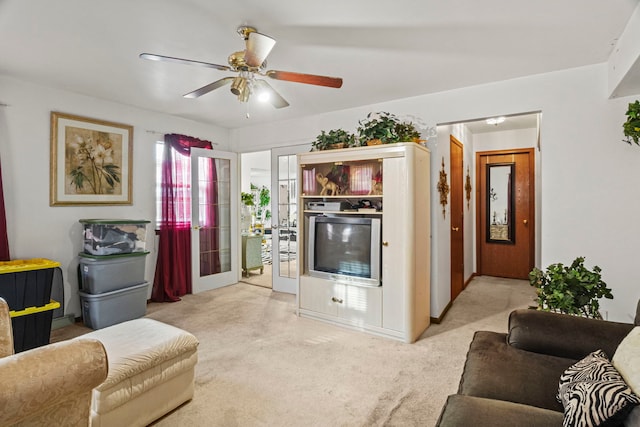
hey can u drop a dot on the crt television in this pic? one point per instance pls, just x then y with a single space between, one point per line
345 248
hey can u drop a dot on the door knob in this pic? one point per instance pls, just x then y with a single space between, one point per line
455 228
196 227
525 222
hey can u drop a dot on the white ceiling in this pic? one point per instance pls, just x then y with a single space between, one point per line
383 50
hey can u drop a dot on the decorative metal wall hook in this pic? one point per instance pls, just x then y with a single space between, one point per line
443 189
467 187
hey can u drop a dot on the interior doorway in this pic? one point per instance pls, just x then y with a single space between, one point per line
518 131
255 218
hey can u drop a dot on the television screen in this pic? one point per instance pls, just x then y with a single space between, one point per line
343 248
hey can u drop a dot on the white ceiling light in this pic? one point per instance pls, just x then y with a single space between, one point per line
495 120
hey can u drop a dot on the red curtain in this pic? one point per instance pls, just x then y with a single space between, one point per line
4 239
173 268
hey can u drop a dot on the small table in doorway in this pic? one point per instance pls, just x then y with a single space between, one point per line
251 253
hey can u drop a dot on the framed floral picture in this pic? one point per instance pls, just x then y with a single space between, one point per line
91 161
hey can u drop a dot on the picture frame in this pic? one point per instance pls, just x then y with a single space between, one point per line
91 161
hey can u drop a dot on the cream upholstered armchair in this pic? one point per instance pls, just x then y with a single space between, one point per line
49 385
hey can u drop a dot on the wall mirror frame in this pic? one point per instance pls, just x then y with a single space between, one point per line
501 213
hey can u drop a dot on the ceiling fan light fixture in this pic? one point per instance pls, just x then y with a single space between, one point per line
244 94
239 85
263 96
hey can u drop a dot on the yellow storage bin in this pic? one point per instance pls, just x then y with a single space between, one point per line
26 283
32 326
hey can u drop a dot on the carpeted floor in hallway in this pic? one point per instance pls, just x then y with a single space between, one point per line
261 365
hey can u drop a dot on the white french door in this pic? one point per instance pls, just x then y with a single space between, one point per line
214 219
284 218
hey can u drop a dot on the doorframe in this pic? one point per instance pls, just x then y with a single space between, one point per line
532 199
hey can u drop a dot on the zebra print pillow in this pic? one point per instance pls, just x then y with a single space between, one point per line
593 393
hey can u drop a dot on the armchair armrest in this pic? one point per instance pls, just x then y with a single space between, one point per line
51 385
563 335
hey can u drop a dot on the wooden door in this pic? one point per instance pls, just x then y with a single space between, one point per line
506 213
457 218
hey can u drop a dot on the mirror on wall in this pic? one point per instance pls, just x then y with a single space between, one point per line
500 203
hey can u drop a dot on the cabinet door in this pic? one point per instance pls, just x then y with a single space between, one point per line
396 253
320 295
361 305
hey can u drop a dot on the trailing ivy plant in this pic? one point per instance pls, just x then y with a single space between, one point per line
570 289
632 125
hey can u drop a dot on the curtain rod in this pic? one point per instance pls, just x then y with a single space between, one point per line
155 132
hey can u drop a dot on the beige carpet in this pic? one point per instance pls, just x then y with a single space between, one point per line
254 277
261 365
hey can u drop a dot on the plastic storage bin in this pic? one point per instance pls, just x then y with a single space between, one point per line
32 326
107 273
114 236
109 308
26 283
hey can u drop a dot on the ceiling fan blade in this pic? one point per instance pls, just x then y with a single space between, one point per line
208 88
154 57
274 97
310 79
258 47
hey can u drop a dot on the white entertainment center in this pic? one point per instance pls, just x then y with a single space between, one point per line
386 182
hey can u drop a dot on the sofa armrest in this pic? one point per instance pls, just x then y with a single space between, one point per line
51 385
564 335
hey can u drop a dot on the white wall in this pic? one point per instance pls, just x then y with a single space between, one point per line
37 230
589 193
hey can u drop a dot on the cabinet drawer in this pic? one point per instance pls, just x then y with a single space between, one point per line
358 304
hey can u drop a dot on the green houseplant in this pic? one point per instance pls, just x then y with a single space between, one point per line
632 125
378 128
407 132
335 138
570 289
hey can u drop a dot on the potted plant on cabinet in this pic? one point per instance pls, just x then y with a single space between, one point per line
335 138
632 125
570 289
378 128
407 132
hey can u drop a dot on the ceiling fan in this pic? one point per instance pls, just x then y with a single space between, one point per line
250 64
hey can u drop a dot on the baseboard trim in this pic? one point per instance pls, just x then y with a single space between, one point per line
466 283
438 320
61 322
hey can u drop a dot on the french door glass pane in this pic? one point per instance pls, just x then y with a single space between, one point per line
287 211
214 189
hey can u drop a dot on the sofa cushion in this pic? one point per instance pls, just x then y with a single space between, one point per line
564 335
626 362
480 412
499 371
626 359
593 393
